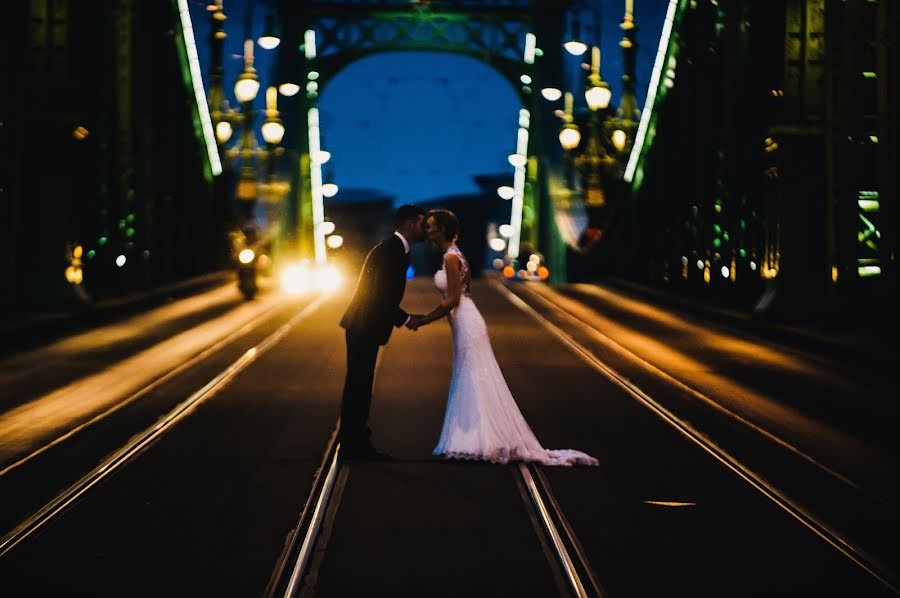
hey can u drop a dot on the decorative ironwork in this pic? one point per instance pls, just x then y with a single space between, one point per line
491 31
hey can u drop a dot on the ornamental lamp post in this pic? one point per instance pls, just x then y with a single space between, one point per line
245 90
248 189
272 129
597 94
269 40
594 159
569 136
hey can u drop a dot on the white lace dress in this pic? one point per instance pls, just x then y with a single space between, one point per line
482 420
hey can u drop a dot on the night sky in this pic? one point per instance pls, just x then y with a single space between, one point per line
417 125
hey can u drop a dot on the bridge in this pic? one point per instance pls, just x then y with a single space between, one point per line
687 270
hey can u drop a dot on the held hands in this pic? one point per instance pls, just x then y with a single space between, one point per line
416 321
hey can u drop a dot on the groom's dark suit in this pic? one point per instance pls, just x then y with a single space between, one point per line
373 312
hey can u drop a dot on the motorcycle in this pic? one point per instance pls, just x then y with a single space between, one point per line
247 267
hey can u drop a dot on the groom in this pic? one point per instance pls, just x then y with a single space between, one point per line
372 313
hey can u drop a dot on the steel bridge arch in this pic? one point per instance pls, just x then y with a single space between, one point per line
490 31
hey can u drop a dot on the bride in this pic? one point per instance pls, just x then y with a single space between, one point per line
482 420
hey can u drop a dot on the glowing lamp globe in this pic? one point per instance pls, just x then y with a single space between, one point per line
247 87
268 42
273 131
288 89
551 94
506 192
598 97
575 47
569 137
223 131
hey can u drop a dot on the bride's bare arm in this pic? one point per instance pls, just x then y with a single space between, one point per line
451 268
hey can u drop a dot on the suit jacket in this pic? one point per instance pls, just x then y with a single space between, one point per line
375 307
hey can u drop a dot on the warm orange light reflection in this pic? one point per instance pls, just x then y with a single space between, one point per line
543 273
509 271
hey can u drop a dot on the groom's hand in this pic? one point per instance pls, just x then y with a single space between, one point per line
415 321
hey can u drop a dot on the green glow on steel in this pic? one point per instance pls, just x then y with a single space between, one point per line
871 227
530 45
869 74
309 45
315 177
190 47
867 271
869 205
652 90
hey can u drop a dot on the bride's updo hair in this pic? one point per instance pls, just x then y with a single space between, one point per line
448 222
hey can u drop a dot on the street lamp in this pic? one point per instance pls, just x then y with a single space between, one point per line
569 136
551 94
619 139
272 128
223 131
247 85
591 161
597 93
288 89
574 46
245 153
269 40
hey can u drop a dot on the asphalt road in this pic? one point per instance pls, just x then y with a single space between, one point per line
205 510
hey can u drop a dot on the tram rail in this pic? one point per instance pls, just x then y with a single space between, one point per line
833 537
125 454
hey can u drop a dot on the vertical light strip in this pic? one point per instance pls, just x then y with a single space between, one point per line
518 199
315 177
190 46
522 142
309 44
651 91
530 45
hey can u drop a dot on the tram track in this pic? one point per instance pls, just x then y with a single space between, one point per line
295 562
143 440
288 579
170 375
570 555
833 537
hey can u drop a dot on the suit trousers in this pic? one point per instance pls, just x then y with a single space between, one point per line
362 354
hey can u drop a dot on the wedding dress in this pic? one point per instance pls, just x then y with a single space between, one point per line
482 420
